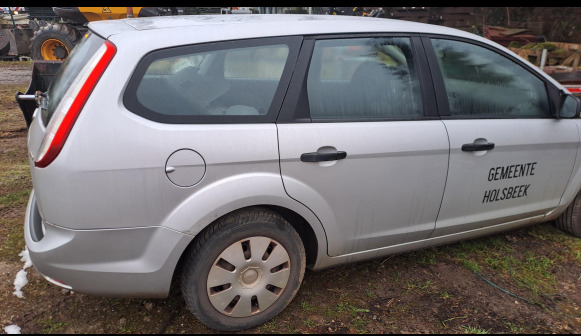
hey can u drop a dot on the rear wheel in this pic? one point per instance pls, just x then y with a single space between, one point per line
53 42
570 220
243 270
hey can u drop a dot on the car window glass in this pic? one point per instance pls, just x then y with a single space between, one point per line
257 63
363 78
482 83
230 82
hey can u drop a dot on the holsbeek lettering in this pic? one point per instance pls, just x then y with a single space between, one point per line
512 171
495 195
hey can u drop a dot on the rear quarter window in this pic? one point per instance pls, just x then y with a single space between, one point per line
212 83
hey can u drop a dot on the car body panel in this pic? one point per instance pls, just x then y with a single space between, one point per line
388 189
477 194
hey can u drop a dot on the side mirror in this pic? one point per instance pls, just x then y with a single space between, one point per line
570 108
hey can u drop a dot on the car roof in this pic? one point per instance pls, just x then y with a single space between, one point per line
270 25
192 29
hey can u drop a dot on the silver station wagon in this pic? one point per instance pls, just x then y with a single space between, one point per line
232 152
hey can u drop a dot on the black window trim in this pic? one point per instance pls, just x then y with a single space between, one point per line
296 109
132 104
440 88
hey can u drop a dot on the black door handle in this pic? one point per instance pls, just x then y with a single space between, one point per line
317 157
477 147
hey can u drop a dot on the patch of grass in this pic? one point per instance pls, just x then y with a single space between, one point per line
355 310
344 308
331 313
452 319
13 172
341 307
422 286
359 324
309 323
50 326
19 197
471 265
128 328
499 244
369 294
515 328
475 330
7 94
534 274
528 269
12 64
396 276
474 246
548 232
423 257
500 262
11 239
306 306
15 184
477 247
445 295
270 327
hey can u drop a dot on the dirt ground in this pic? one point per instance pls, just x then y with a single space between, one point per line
524 281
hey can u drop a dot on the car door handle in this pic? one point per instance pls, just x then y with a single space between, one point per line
317 157
477 147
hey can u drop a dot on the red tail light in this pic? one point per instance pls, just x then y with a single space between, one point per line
72 103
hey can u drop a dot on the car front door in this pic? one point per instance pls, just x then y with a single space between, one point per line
510 158
360 141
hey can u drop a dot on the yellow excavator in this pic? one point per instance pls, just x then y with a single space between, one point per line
48 41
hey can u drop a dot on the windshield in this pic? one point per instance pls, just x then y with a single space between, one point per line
71 69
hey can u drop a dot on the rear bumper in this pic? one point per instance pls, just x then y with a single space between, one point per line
133 262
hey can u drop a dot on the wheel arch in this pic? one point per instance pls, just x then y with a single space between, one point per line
312 244
303 228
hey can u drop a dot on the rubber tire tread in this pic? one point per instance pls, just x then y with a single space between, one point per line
249 218
66 35
570 220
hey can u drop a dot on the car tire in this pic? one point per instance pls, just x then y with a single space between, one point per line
570 220
243 270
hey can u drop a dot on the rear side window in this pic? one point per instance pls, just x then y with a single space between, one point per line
364 79
481 83
218 82
70 69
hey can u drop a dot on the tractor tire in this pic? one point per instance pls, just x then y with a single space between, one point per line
53 42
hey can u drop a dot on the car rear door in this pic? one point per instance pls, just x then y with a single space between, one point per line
360 141
510 158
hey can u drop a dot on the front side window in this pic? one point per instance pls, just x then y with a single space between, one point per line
363 79
483 83
190 84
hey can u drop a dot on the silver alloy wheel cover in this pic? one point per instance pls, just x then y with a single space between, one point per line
254 284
